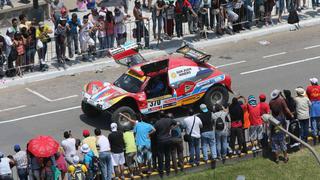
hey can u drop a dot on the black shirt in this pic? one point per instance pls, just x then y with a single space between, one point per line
207 123
163 129
116 142
236 112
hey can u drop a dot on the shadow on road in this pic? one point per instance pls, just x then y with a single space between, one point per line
102 122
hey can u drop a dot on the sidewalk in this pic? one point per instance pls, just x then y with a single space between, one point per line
307 18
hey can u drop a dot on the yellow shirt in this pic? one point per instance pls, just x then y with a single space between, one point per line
92 142
72 168
39 34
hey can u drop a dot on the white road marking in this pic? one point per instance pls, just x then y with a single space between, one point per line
48 99
272 55
38 115
38 94
13 108
281 65
311 47
230 64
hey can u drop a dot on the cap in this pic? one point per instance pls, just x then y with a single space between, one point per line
262 97
114 127
16 148
86 132
252 100
203 108
300 91
314 80
41 24
75 159
275 93
85 148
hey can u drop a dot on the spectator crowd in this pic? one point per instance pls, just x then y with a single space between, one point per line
101 29
157 144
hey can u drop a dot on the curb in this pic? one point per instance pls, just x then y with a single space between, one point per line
155 53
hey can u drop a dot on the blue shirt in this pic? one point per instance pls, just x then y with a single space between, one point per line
88 159
73 26
142 130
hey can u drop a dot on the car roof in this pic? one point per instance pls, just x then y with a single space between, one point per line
173 61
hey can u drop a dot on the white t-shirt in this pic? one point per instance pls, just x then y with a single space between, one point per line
69 146
103 143
188 121
21 159
5 166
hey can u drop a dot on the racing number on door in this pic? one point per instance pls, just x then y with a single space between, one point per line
155 103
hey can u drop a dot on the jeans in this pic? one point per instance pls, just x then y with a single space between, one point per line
315 125
103 45
106 165
236 133
281 6
178 19
164 150
109 41
193 24
248 11
208 139
6 177
142 31
222 143
194 147
156 21
23 174
304 129
30 56
177 149
73 42
60 50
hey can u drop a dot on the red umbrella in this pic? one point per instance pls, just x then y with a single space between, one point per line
43 146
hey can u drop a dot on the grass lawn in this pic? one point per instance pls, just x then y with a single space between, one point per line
302 165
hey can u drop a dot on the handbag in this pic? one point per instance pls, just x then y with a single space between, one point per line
187 137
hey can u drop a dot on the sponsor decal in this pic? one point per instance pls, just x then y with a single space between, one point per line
154 109
169 105
155 103
173 75
168 101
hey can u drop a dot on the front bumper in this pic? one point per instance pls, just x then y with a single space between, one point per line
100 105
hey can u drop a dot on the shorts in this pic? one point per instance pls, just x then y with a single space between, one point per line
255 132
130 159
144 154
278 143
118 159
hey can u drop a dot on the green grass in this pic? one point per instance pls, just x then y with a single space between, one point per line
301 166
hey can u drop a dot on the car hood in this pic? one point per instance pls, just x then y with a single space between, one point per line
103 92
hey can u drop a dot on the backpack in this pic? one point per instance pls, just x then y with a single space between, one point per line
78 173
219 124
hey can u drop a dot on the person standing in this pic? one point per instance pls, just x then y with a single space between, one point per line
21 162
222 127
69 146
61 40
193 19
86 42
141 30
56 7
5 171
169 19
313 93
88 160
91 141
105 157
143 132
110 29
303 105
237 119
193 125
20 45
72 36
130 151
163 129
31 45
117 150
279 110
182 8
42 35
120 28
207 135
157 18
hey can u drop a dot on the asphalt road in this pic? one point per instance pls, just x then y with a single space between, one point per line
53 106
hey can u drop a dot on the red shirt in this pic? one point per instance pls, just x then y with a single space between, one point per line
313 92
264 108
255 115
185 3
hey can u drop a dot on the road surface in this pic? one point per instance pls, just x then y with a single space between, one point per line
53 106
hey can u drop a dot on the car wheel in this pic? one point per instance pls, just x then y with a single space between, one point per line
122 122
216 95
89 110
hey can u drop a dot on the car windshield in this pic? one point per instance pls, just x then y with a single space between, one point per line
128 83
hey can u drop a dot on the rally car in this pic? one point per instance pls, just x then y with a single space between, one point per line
168 82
